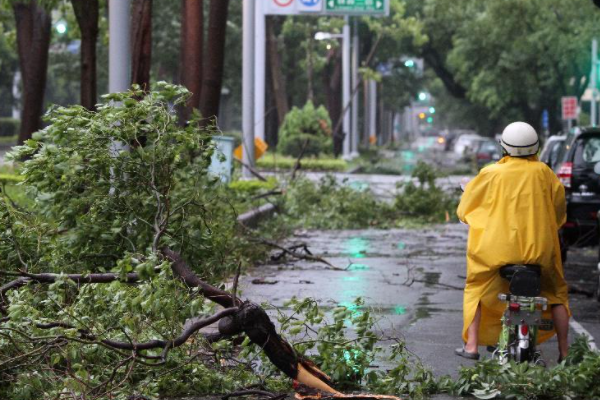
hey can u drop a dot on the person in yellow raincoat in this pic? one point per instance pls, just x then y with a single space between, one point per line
514 209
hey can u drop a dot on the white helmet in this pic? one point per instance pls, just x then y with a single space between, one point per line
519 139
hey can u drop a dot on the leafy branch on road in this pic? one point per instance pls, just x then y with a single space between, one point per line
574 378
333 204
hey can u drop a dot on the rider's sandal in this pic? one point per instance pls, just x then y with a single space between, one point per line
463 353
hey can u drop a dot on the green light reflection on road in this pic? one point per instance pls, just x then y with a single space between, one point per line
401 245
399 310
356 247
350 278
407 155
359 186
352 307
358 267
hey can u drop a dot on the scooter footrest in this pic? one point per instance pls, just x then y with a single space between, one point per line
546 325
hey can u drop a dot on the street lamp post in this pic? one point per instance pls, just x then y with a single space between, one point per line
354 129
119 45
248 87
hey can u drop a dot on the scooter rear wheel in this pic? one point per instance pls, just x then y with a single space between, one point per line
523 355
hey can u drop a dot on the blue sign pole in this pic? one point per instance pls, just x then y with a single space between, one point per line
545 121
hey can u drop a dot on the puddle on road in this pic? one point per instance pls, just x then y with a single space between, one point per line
356 247
425 310
430 278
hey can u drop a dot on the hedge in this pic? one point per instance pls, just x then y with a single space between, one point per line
274 162
8 126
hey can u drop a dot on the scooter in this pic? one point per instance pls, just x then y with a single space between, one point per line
523 316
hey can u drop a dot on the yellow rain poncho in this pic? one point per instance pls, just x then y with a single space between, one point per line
514 209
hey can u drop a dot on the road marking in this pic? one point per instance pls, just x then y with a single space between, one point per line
580 330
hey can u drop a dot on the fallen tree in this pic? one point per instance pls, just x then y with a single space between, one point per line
109 275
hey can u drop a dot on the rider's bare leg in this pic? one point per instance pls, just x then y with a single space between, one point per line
561 324
473 332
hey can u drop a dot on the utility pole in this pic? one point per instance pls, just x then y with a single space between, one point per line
355 57
260 56
119 45
347 148
248 86
372 85
593 81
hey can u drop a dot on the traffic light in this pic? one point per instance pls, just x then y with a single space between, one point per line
422 96
422 115
431 110
430 120
61 27
411 63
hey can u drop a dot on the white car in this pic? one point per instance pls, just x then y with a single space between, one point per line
466 142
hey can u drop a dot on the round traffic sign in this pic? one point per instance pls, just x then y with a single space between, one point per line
283 3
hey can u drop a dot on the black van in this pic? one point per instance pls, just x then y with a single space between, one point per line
578 173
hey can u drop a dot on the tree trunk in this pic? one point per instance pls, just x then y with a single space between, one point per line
436 62
33 40
271 117
86 12
210 95
332 82
277 80
192 44
141 42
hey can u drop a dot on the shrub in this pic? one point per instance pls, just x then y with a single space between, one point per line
308 126
9 127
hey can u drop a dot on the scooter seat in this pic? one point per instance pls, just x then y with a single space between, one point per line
525 280
507 271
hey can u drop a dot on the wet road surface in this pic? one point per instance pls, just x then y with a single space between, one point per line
412 279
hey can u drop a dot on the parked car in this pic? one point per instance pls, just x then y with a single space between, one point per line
487 151
576 169
466 143
552 149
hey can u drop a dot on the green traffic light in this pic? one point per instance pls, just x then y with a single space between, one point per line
431 110
422 96
61 27
409 63
429 120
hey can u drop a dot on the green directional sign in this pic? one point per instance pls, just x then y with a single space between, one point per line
359 7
